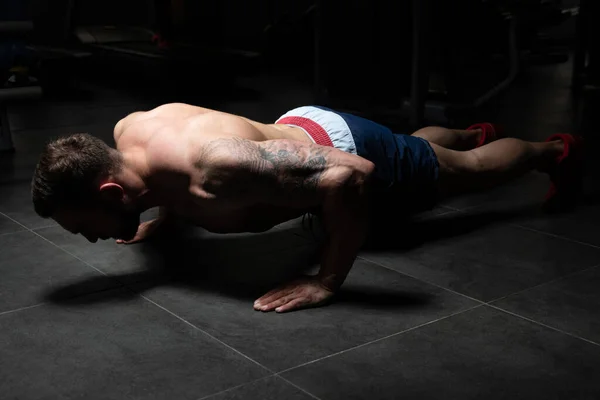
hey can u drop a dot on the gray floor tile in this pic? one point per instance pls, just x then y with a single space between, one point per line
374 302
571 304
34 270
480 354
581 224
15 202
113 345
459 252
128 263
522 201
9 226
271 388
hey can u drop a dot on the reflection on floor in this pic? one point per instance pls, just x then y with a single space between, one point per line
484 297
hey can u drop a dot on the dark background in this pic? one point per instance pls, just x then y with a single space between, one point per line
484 297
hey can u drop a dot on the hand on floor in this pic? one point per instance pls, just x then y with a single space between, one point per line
145 230
301 293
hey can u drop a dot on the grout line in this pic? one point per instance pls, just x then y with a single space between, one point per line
421 280
74 256
12 233
552 281
21 309
524 227
542 324
204 332
236 387
64 250
298 387
120 284
380 339
554 235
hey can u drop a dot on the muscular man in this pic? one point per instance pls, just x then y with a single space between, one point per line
227 173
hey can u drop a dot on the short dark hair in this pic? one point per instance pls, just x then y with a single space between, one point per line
68 170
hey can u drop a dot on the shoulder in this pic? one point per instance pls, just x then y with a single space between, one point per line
123 124
178 111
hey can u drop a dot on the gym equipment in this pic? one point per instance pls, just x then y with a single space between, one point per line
127 42
26 68
453 60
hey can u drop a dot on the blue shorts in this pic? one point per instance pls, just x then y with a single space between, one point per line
406 167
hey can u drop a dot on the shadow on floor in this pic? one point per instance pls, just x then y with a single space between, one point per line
405 235
184 263
246 268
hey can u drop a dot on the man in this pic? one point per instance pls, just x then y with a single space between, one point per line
229 174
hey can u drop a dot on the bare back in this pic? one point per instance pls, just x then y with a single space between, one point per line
177 134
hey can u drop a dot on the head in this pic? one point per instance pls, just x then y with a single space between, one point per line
77 183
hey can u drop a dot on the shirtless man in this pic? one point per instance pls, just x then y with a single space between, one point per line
227 173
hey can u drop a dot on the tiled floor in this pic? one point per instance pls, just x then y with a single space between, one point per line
483 298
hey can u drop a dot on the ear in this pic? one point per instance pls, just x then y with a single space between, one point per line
112 192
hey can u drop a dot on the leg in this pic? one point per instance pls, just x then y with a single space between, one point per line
493 164
450 138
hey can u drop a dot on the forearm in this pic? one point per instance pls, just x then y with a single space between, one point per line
346 227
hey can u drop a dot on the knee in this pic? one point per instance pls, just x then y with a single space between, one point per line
460 162
472 161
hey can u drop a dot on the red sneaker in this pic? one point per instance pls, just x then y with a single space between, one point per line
566 174
491 132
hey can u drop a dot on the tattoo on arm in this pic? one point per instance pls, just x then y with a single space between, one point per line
281 170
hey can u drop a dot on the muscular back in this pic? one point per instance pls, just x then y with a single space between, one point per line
213 168
185 122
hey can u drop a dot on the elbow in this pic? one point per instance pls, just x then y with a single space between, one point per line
353 182
367 171
361 176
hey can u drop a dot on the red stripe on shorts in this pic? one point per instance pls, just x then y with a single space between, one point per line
315 130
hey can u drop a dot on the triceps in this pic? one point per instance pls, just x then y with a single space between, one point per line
283 172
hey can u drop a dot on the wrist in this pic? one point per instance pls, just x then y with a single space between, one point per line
330 282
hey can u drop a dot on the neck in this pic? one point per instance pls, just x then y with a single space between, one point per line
134 177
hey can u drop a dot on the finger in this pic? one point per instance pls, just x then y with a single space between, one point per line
263 301
279 302
293 305
271 296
